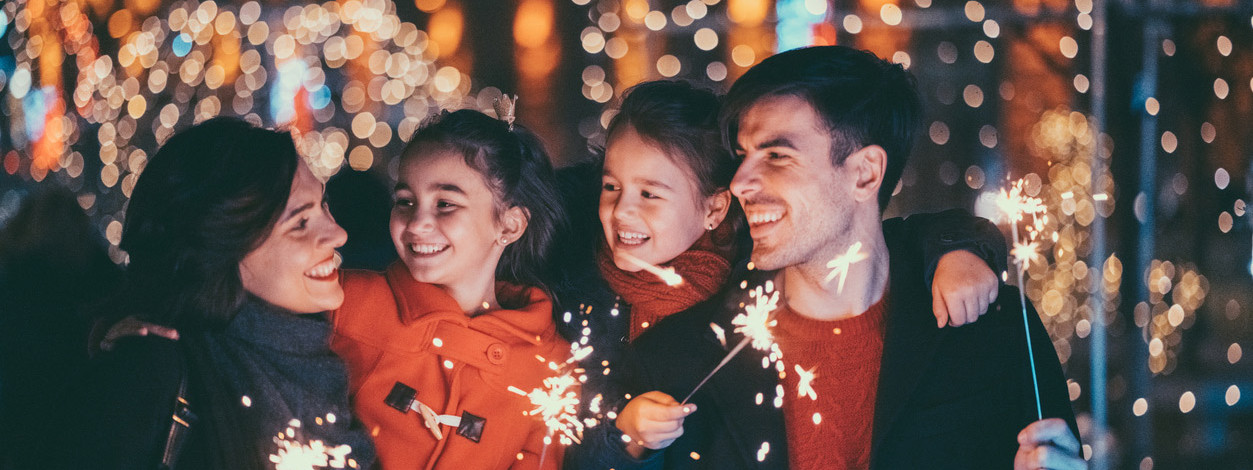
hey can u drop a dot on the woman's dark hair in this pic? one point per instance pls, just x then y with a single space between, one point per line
519 173
208 197
682 120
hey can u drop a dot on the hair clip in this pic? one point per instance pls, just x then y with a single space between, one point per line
505 106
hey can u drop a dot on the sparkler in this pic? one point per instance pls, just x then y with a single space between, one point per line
839 266
667 275
805 382
295 455
754 324
556 402
1016 205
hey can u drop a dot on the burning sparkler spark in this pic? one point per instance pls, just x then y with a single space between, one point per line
295 455
839 266
1015 204
1025 253
556 402
756 321
667 275
720 333
805 382
754 324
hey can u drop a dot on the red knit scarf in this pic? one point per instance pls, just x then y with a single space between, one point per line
704 268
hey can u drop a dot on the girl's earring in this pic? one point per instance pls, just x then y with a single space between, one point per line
709 226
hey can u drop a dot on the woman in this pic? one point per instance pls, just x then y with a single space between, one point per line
230 243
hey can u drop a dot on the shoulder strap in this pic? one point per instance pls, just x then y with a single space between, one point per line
180 424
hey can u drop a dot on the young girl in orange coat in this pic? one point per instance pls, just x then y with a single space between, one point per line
435 344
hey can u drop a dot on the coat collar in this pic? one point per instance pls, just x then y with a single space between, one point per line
422 302
742 380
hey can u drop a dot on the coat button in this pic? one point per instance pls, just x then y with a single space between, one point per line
496 353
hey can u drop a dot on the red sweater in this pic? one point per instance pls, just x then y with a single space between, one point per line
833 430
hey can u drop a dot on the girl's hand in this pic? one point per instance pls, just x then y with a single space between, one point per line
652 421
131 326
962 288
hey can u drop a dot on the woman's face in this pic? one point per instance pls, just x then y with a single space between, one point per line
650 207
296 267
444 222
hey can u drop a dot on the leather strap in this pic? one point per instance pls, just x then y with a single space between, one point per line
180 424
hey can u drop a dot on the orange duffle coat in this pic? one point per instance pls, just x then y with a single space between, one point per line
393 329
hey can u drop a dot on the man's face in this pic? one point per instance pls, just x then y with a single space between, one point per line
796 200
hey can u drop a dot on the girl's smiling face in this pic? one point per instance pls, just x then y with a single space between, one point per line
650 206
444 220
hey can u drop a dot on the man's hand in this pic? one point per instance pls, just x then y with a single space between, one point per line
1048 444
962 288
131 326
652 421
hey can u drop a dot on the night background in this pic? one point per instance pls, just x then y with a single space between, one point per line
1129 119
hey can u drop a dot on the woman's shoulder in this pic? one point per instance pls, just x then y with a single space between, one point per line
133 389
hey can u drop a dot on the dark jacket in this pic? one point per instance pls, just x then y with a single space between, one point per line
245 385
947 398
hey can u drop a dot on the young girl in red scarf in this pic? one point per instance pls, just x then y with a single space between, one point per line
664 207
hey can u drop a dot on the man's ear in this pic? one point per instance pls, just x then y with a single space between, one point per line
513 224
867 166
716 208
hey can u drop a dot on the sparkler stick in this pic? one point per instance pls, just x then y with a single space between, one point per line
755 324
1015 205
725 360
668 275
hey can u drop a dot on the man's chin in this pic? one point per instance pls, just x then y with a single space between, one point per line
767 259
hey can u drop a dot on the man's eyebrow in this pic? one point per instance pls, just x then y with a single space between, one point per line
778 141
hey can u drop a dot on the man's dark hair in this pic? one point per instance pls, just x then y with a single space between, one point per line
862 99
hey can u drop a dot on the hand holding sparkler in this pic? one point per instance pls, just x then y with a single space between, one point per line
652 420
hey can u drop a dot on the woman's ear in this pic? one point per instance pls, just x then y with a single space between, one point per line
867 166
513 224
716 208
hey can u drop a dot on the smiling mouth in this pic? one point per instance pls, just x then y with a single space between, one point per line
632 238
427 249
763 218
326 270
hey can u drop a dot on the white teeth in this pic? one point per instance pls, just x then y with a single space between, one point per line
764 217
631 238
426 248
326 268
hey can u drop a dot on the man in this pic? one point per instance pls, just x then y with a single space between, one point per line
867 379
